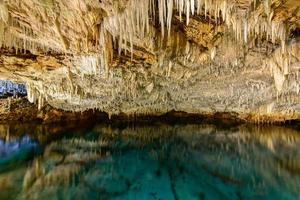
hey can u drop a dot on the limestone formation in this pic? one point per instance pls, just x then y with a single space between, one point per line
154 56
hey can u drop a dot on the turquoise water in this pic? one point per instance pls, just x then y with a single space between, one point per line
158 161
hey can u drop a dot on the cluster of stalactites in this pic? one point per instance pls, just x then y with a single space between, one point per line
216 9
131 24
91 65
21 37
244 23
134 21
18 34
280 67
35 95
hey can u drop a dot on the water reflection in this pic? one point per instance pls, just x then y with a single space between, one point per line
16 145
162 162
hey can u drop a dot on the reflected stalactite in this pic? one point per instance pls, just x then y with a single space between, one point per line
111 161
226 155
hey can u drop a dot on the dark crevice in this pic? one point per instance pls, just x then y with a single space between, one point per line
295 33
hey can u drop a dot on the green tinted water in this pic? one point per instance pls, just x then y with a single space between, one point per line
149 162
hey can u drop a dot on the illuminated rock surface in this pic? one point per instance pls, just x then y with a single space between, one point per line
150 57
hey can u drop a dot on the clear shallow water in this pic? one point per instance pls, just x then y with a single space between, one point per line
149 162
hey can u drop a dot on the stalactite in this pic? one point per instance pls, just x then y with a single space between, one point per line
103 51
2 27
278 75
213 53
3 12
31 93
40 102
161 16
21 36
169 17
3 21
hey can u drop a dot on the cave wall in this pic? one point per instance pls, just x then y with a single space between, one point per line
151 57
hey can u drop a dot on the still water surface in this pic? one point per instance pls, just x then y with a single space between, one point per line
180 162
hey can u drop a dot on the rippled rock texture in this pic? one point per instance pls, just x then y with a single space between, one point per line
153 56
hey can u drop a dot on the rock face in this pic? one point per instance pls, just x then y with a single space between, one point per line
154 56
17 109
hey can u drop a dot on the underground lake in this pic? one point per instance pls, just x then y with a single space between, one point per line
149 99
149 161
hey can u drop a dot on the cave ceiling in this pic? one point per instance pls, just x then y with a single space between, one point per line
154 56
